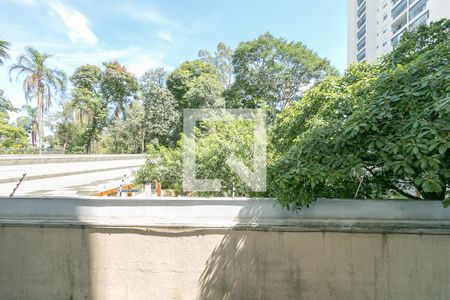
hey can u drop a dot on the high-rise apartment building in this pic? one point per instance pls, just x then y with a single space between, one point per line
376 26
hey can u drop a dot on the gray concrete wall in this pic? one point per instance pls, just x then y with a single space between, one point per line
260 256
88 263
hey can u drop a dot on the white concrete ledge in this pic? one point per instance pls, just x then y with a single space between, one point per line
226 213
11 160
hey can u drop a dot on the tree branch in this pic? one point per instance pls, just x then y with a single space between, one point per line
392 186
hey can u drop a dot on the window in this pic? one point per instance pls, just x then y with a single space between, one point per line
360 2
361 44
361 33
420 21
361 21
361 10
384 17
395 40
396 11
361 56
417 9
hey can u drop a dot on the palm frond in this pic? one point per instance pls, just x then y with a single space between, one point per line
4 47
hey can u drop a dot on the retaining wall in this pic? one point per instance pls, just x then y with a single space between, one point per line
187 248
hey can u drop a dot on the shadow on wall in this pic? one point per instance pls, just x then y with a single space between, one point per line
248 264
44 263
73 262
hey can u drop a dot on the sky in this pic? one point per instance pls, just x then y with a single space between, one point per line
146 34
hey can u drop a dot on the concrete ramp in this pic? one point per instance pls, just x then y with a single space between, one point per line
66 175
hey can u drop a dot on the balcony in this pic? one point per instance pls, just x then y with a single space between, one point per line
396 39
400 8
361 56
361 44
420 21
361 10
398 27
360 2
417 9
399 23
361 21
361 33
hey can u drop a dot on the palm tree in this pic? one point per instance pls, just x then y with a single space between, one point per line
40 82
29 122
4 47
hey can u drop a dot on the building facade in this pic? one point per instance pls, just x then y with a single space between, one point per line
374 27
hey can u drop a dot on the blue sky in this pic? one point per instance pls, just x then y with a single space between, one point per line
146 34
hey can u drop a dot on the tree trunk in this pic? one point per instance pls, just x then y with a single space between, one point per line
33 135
40 119
143 141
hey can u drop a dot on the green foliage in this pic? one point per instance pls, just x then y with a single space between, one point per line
164 165
5 105
274 72
222 60
118 87
89 103
11 136
96 94
4 47
161 118
377 130
40 82
125 135
29 122
69 135
196 84
413 44
215 143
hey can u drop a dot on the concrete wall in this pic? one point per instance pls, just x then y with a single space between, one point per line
264 257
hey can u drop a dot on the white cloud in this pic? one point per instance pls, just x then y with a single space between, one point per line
165 36
70 60
150 16
95 57
76 23
141 63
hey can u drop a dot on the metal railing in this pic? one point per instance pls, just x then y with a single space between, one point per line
417 9
397 10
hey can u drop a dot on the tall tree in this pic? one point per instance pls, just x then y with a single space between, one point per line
119 87
222 59
162 120
40 82
4 47
5 105
381 130
153 77
11 136
125 135
29 122
196 84
88 103
273 72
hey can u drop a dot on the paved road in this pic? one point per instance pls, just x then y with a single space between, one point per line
72 176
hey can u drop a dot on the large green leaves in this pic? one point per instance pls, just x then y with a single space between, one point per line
274 72
378 131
